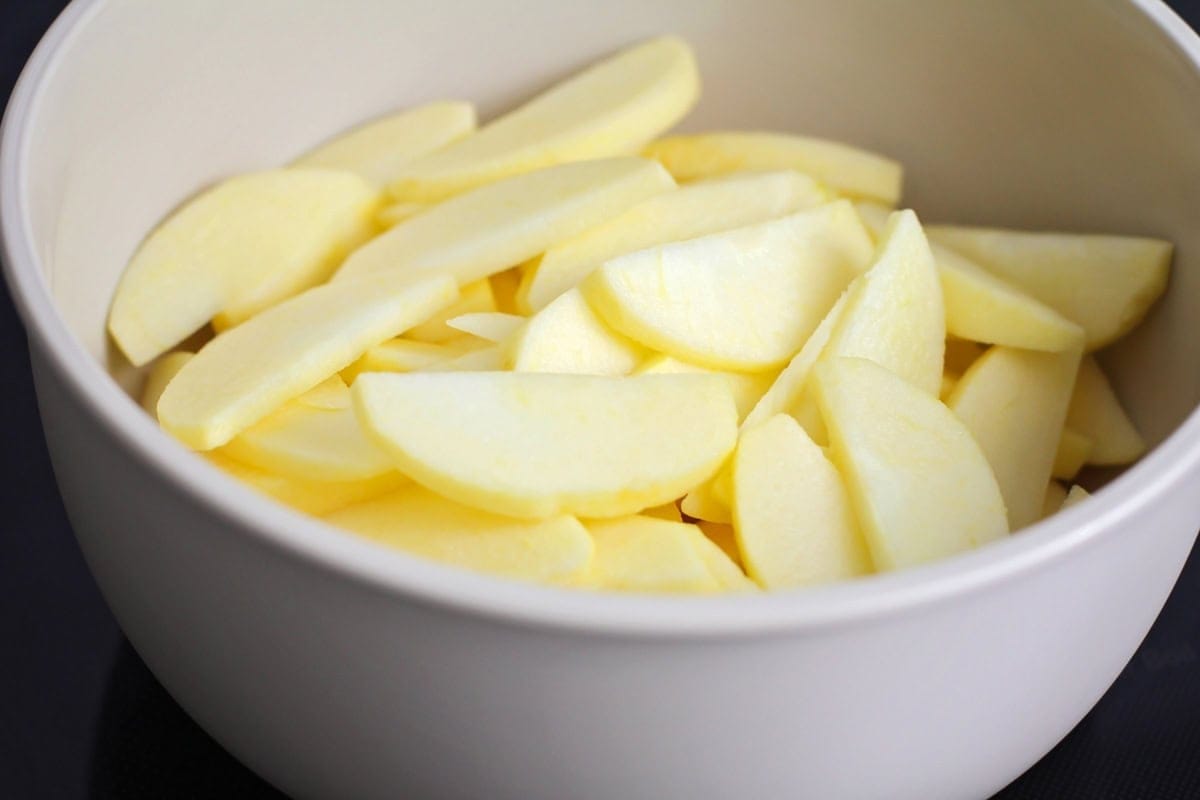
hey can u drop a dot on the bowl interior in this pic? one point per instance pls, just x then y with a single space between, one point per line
1075 114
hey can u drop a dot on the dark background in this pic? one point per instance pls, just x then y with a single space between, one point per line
81 717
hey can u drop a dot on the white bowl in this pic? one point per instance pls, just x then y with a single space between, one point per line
337 669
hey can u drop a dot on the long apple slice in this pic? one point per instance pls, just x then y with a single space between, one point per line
747 387
920 484
578 444
237 245
612 108
490 326
1105 284
160 375
379 150
502 224
648 555
555 550
309 497
696 210
745 299
247 372
567 336
473 298
792 515
1014 403
847 170
1096 413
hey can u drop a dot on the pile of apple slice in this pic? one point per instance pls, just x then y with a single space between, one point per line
561 348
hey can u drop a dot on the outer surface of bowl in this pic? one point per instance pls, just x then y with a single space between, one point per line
337 670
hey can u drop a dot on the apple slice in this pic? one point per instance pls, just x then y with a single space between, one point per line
644 554
1096 413
567 336
247 372
792 515
579 444
745 299
308 497
1104 284
703 503
1014 403
331 394
1073 452
413 519
490 326
920 485
378 150
747 387
489 358
403 355
847 170
1077 495
474 297
692 211
239 247
1056 494
393 214
612 108
161 374
497 226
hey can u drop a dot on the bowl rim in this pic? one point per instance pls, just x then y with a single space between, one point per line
412 579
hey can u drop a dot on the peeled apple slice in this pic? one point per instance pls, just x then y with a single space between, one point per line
612 108
330 394
486 359
380 149
418 521
237 247
1077 495
1056 494
247 372
1095 412
1014 402
745 299
578 444
392 215
474 297
793 518
1073 451
491 326
161 374
696 210
703 503
567 336
497 226
920 485
747 387
309 497
643 554
847 170
1105 284
403 355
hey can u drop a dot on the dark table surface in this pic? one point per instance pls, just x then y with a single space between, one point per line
81 716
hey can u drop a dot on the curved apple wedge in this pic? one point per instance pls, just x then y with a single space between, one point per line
1096 413
920 485
418 521
536 445
567 336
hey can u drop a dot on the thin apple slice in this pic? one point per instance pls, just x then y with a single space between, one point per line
554 550
745 299
567 336
498 226
161 374
403 355
1096 413
703 503
1073 451
379 150
1014 403
920 485
490 326
847 170
247 372
237 247
747 387
697 210
1104 284
489 358
393 214
791 512
612 108
331 394
474 297
579 444
648 555
309 497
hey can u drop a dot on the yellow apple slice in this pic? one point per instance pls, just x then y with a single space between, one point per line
1095 412
331 394
491 326
745 299
747 387
554 550
791 513
238 247
297 441
489 358
1056 494
161 374
1014 403
309 497
392 215
612 108
474 297
567 336
403 355
497 226
247 372
847 170
920 485
703 503
378 150
723 567
692 211
578 444
1073 451
1077 495
643 554
1104 284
